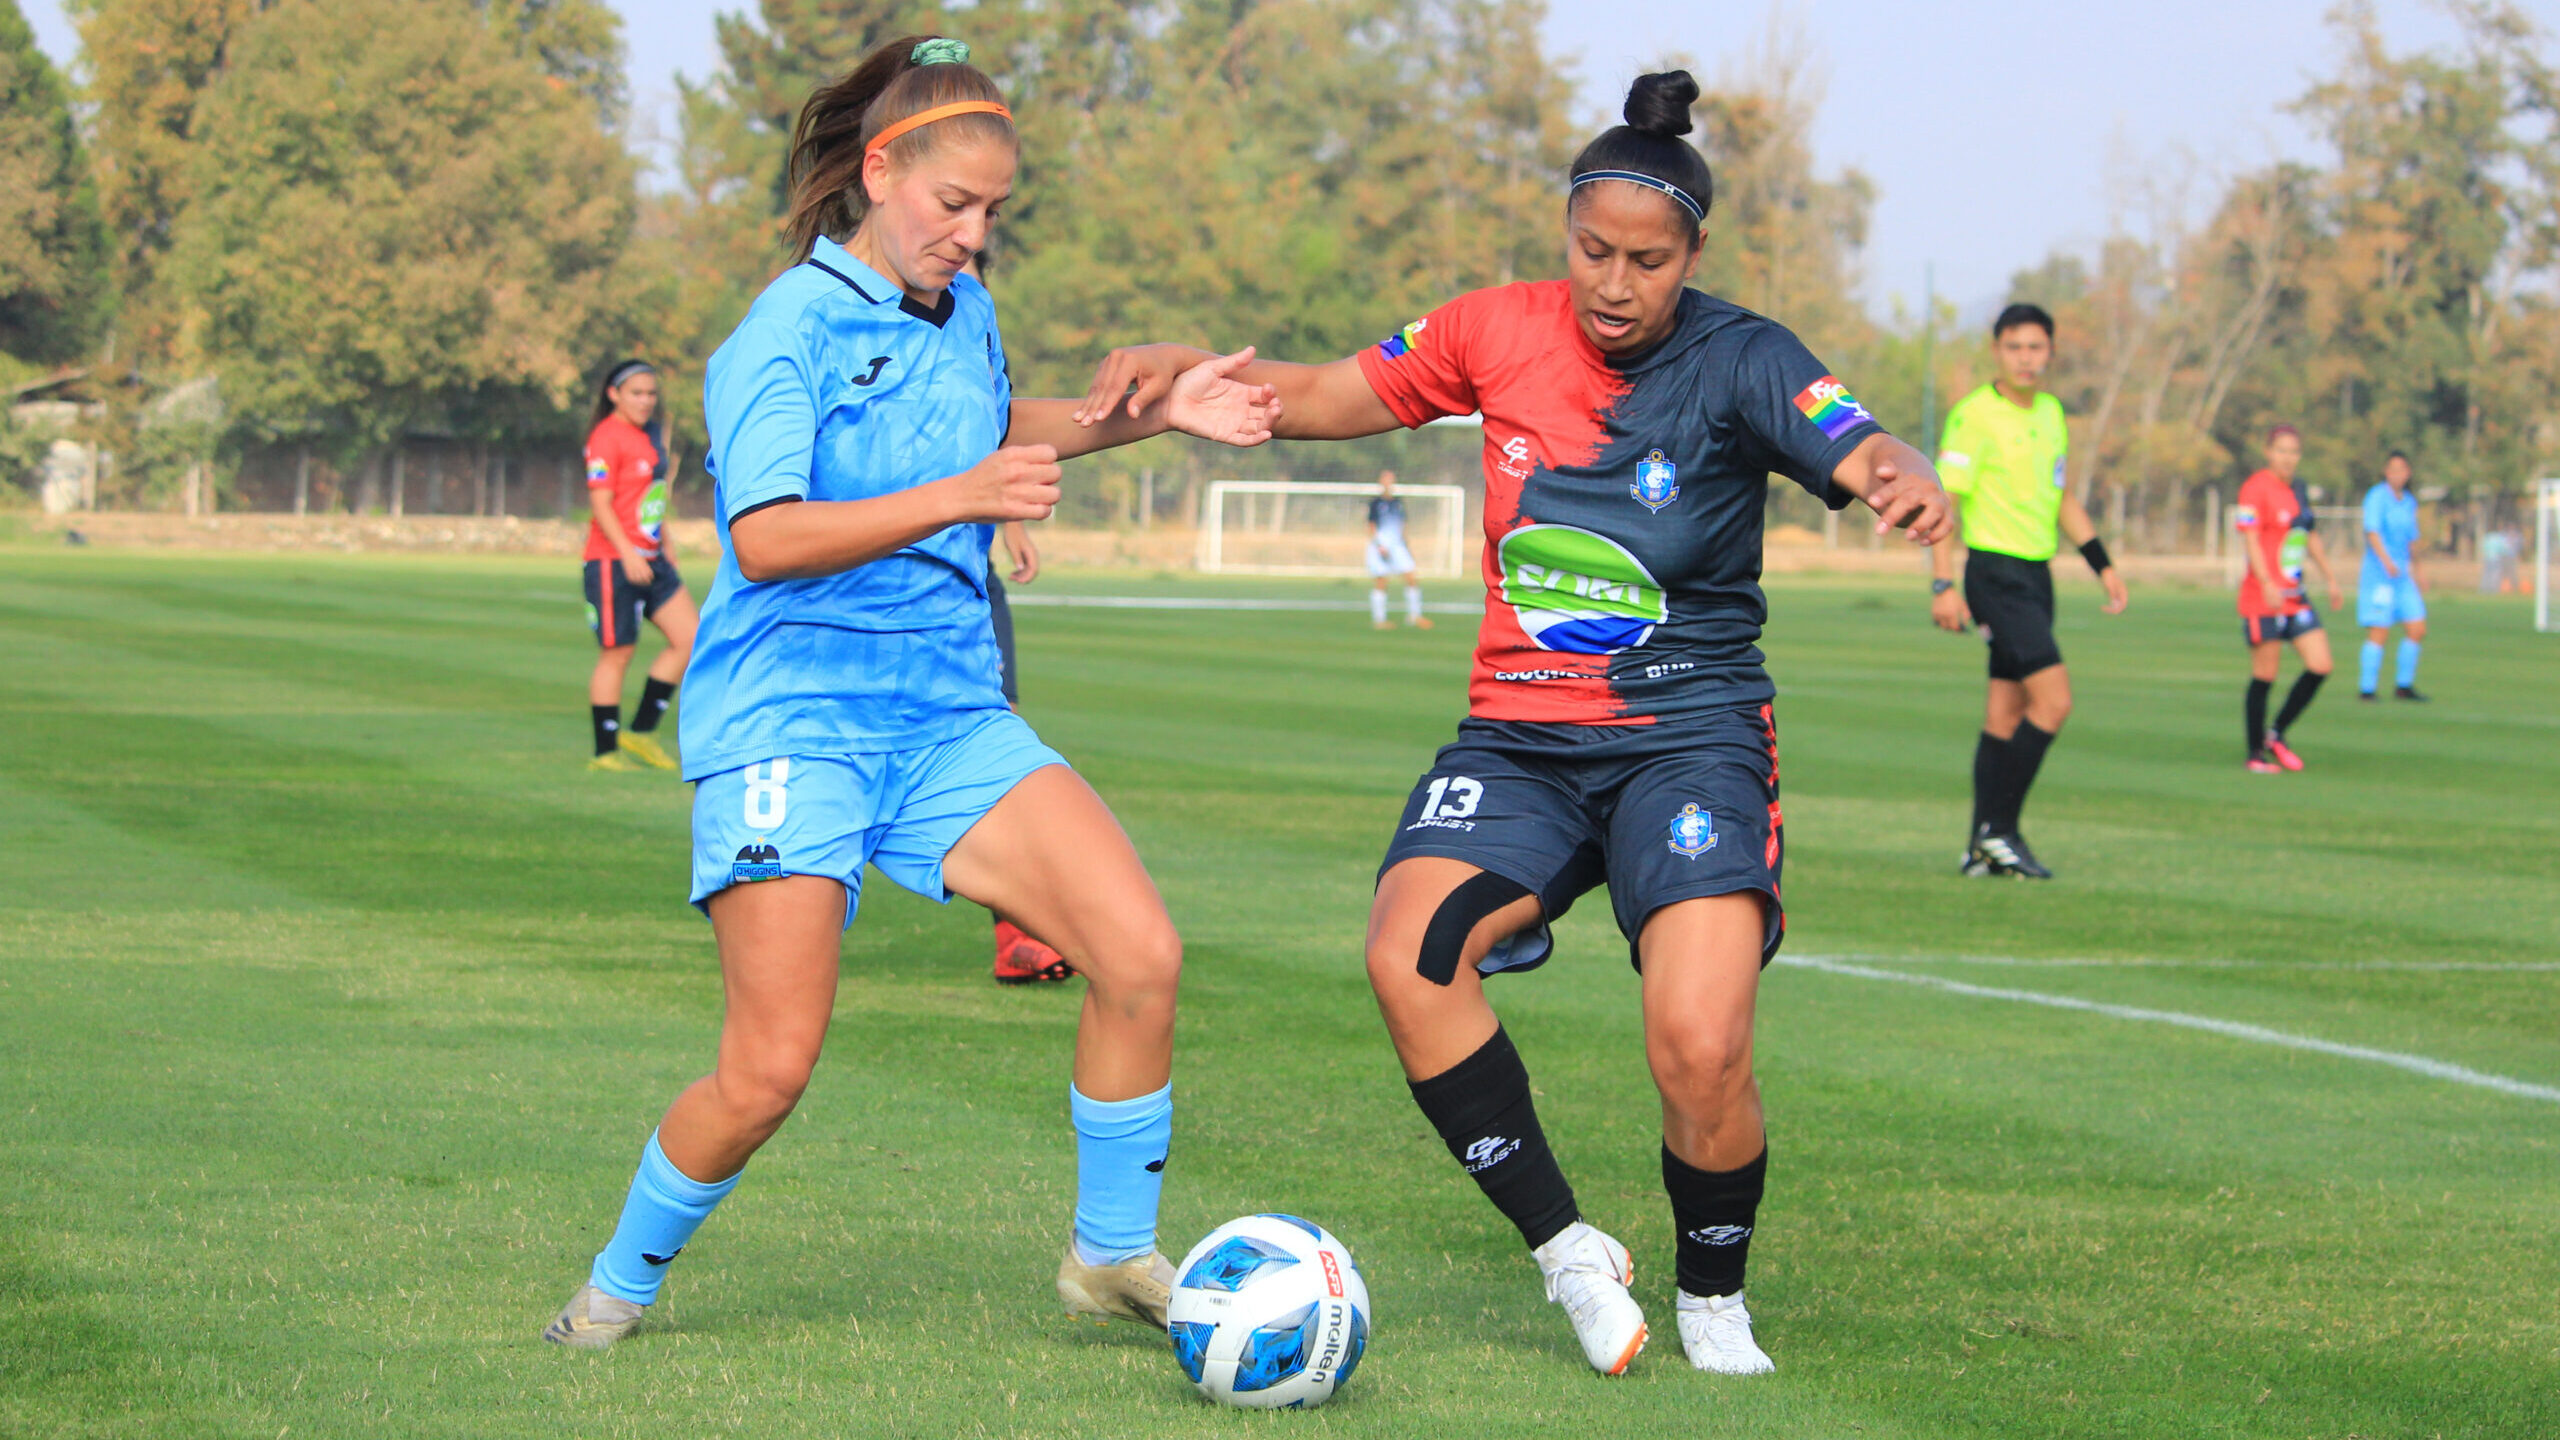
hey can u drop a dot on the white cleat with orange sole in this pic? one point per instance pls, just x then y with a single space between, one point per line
1716 1331
1588 1273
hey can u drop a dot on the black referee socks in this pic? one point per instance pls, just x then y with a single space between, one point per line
1482 1110
1989 751
1713 1211
2003 770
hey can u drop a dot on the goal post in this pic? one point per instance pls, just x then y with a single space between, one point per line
2546 548
1321 528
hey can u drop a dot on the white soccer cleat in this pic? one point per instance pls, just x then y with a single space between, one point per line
593 1320
1130 1290
1588 1273
1716 1331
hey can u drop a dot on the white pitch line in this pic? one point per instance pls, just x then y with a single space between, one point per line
1208 602
2233 1029
2483 967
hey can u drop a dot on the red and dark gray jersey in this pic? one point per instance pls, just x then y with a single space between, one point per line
1623 499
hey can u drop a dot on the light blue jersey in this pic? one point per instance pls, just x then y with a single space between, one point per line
837 386
2394 517
2382 599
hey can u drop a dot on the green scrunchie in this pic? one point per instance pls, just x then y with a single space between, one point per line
940 51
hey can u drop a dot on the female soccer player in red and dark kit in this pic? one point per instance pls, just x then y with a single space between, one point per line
1620 726
629 575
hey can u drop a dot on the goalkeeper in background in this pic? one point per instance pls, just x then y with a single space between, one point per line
1389 555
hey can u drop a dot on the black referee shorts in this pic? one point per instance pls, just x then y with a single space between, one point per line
2012 600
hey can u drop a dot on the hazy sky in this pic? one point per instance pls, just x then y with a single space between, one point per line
1991 129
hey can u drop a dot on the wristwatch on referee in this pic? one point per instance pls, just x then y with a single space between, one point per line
1940 586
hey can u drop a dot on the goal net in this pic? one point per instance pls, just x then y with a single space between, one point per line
1312 527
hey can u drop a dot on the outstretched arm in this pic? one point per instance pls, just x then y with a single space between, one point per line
1203 396
1898 483
1332 401
796 539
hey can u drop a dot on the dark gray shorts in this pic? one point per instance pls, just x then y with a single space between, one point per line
1664 812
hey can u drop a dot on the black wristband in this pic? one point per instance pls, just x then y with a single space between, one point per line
2095 552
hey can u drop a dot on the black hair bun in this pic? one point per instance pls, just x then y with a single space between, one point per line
1659 104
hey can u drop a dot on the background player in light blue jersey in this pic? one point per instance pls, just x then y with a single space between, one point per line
843 705
2390 590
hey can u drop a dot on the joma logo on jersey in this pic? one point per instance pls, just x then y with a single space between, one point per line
1657 482
1693 831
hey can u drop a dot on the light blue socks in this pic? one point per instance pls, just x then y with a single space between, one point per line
665 1208
1121 1148
2408 664
2369 668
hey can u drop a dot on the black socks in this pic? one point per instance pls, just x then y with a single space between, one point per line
654 697
1989 753
2003 770
1482 1110
608 720
1713 1211
2257 711
2297 700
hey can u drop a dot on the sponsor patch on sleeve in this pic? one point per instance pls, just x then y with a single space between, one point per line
1404 342
599 470
2244 517
1829 405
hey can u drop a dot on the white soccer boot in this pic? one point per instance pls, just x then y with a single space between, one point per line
1716 1331
1131 1290
1588 1273
593 1320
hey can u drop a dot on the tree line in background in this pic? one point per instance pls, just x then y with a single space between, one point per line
338 227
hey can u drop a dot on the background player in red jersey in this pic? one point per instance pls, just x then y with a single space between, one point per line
1621 725
629 574
2275 524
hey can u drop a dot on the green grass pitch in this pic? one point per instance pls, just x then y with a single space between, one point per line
336 999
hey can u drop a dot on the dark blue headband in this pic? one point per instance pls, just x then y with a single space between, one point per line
1688 202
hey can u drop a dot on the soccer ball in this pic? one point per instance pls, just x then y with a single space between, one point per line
1269 1313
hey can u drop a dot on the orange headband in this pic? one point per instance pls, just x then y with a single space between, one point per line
927 117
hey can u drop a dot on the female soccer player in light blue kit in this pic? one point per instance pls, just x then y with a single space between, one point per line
843 704
2389 591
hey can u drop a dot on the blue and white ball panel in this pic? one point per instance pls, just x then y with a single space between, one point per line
898 810
2384 601
1269 1312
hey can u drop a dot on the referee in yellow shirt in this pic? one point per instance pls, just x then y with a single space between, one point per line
2005 463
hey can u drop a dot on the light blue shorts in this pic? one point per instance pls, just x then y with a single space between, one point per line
2382 602
899 810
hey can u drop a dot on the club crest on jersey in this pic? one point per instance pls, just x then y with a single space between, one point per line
1657 482
1693 831
1404 342
756 861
